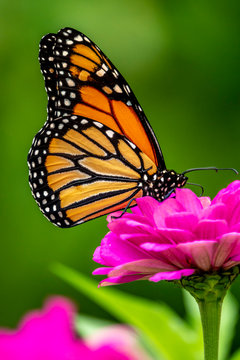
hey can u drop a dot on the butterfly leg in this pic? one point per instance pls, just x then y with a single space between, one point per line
125 210
169 194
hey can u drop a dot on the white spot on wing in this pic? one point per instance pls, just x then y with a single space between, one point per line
67 102
110 133
98 124
104 66
126 87
70 82
100 72
115 73
117 89
78 38
131 144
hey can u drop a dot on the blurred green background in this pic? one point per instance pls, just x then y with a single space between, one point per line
181 58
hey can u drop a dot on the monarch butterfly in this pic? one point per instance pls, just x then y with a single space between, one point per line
97 150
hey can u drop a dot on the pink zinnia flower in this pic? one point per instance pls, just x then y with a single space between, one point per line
174 238
49 335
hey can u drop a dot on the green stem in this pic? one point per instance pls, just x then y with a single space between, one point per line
211 316
209 290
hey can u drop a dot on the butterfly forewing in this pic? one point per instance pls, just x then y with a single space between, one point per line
81 80
81 169
97 151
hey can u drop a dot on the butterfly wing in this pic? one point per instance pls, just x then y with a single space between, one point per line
81 169
81 80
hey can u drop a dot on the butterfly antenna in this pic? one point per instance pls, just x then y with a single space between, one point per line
202 188
209 168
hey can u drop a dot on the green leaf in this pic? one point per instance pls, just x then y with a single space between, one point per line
87 325
168 334
236 355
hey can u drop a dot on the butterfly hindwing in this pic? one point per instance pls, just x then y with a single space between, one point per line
81 80
81 169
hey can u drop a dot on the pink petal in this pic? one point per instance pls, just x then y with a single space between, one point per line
200 253
205 201
210 229
138 239
175 236
214 212
111 217
235 215
49 335
144 266
115 251
138 218
102 271
231 188
231 200
97 256
147 206
181 233
121 280
228 247
155 247
171 275
166 208
184 221
135 217
235 228
46 334
230 263
130 226
120 337
174 256
189 201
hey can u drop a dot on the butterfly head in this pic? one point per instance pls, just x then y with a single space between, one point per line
163 183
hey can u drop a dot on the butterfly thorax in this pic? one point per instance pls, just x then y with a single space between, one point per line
161 184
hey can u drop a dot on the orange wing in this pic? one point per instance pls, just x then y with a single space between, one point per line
80 169
81 80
